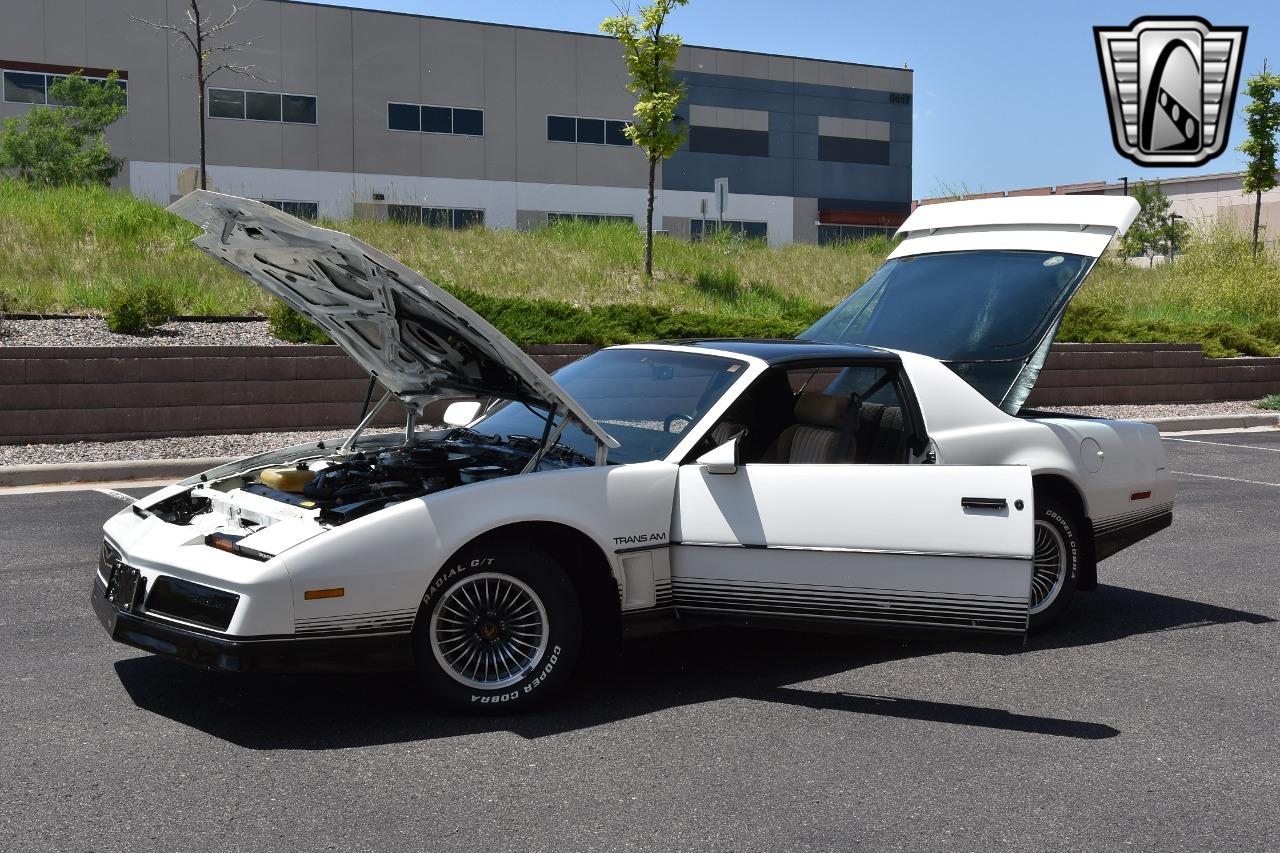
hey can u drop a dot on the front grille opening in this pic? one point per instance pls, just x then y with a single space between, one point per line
192 602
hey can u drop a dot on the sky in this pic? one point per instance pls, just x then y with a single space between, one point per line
1007 94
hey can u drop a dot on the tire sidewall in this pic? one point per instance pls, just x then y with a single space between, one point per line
534 567
1055 514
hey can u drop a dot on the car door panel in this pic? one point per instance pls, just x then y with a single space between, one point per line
881 543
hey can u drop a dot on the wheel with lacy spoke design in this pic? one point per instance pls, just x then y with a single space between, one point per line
499 629
1055 566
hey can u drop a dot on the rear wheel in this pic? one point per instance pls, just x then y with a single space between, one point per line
1055 564
498 630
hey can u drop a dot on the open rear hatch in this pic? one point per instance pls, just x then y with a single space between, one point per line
982 285
421 343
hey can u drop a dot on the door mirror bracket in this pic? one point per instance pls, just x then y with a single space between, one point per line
724 459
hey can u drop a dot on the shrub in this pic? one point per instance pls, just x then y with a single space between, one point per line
62 145
288 325
1271 403
140 309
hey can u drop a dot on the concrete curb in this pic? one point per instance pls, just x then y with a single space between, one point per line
107 472
1189 423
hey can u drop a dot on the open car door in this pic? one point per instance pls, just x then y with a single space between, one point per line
929 545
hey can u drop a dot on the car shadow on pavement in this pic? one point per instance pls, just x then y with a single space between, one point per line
653 674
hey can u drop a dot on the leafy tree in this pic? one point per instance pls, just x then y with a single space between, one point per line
200 34
650 57
65 143
1156 230
1262 118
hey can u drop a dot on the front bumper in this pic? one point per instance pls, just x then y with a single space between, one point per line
251 654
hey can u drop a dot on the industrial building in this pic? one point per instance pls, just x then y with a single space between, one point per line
456 123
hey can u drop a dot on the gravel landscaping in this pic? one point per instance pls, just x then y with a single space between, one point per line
1164 410
92 332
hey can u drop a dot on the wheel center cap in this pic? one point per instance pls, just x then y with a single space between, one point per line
489 630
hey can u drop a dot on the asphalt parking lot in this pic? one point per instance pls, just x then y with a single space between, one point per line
1150 720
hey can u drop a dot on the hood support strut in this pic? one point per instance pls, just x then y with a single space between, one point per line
549 438
364 423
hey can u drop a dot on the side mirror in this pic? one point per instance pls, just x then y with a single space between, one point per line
724 459
461 413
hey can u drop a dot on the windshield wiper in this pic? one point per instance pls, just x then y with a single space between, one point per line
468 434
560 450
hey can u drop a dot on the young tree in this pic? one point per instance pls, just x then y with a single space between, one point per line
200 35
65 143
1157 230
650 57
1262 118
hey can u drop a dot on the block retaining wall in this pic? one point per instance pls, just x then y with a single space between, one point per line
1094 374
53 394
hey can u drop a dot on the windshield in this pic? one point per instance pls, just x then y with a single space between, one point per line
958 306
646 399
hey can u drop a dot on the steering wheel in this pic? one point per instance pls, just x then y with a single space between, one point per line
672 418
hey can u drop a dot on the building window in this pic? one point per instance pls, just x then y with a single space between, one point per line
437 120
425 118
299 109
23 88
842 149
300 209
468 122
700 228
588 131
226 103
829 235
727 140
262 106
32 87
591 131
562 129
612 219
614 133
404 117
456 218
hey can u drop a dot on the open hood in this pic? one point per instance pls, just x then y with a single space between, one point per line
982 285
421 343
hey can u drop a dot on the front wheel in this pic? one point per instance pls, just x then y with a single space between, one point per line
498 630
1056 563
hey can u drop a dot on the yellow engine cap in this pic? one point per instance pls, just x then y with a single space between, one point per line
286 479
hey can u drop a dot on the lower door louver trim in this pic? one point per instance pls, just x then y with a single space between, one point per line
988 613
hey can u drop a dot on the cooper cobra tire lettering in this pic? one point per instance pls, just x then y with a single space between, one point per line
1073 547
1054 513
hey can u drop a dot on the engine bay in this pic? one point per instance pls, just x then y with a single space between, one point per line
337 487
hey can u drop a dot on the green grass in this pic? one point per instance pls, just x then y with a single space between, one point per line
70 250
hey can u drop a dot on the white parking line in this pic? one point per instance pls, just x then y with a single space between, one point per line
1219 477
112 493
83 487
1225 444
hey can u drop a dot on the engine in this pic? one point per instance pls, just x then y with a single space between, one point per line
342 488
367 482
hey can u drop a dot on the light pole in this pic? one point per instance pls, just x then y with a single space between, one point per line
1126 183
1173 217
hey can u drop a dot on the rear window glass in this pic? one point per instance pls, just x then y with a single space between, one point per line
958 306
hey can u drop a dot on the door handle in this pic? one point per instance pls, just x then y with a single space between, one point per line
984 503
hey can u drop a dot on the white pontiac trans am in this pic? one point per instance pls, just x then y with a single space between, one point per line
878 472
